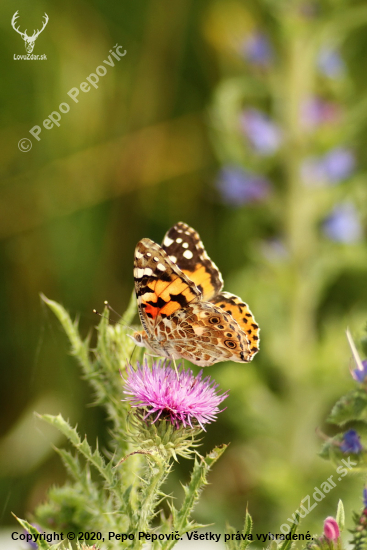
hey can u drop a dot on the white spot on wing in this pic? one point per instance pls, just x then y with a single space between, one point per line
173 259
185 245
138 254
161 267
187 254
167 241
179 240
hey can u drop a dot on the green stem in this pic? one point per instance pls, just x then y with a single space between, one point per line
159 469
300 217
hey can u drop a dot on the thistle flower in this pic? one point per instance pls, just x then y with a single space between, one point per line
365 497
343 224
184 401
351 442
331 529
263 134
238 186
257 49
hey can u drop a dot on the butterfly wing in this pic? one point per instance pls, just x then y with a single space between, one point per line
240 311
185 249
206 334
161 288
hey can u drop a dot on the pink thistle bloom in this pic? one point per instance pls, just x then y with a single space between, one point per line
331 529
184 401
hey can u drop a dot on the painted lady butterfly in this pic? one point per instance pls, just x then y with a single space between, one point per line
181 306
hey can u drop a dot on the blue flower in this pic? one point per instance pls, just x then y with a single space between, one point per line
257 49
263 134
330 63
360 374
351 442
238 186
343 224
339 164
334 167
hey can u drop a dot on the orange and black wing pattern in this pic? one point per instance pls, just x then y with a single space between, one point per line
161 288
185 249
233 305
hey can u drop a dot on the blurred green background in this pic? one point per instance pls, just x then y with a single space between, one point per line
246 120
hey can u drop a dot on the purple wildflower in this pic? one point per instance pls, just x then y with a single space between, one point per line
257 49
275 250
238 186
313 172
185 400
365 497
316 111
331 529
343 224
339 164
263 134
360 375
351 442
334 167
330 63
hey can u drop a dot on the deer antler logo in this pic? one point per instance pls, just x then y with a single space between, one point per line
29 40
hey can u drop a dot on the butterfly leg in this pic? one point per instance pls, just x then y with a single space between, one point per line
174 364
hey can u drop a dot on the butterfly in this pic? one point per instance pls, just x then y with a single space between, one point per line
182 308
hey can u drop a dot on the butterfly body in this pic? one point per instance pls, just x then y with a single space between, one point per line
181 308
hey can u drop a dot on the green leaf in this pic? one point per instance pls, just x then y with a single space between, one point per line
42 544
288 543
181 519
234 544
352 406
340 515
247 530
95 458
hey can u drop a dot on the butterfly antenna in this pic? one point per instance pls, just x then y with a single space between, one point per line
106 303
97 313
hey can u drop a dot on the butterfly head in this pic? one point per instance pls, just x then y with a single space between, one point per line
139 337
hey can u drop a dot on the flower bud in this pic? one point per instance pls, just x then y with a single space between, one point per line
331 529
